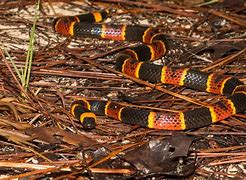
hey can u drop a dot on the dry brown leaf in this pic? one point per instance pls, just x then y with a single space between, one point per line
57 136
16 125
16 137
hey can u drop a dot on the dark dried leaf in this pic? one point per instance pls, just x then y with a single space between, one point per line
216 50
163 156
235 4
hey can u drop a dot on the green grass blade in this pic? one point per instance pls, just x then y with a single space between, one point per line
13 63
29 58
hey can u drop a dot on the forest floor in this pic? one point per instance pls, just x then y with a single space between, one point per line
40 139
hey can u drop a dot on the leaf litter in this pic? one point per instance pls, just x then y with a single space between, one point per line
39 137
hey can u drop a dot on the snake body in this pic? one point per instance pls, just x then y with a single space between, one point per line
134 62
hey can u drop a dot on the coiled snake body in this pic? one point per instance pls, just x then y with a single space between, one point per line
133 62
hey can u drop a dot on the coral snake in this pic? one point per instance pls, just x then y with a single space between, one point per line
132 61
